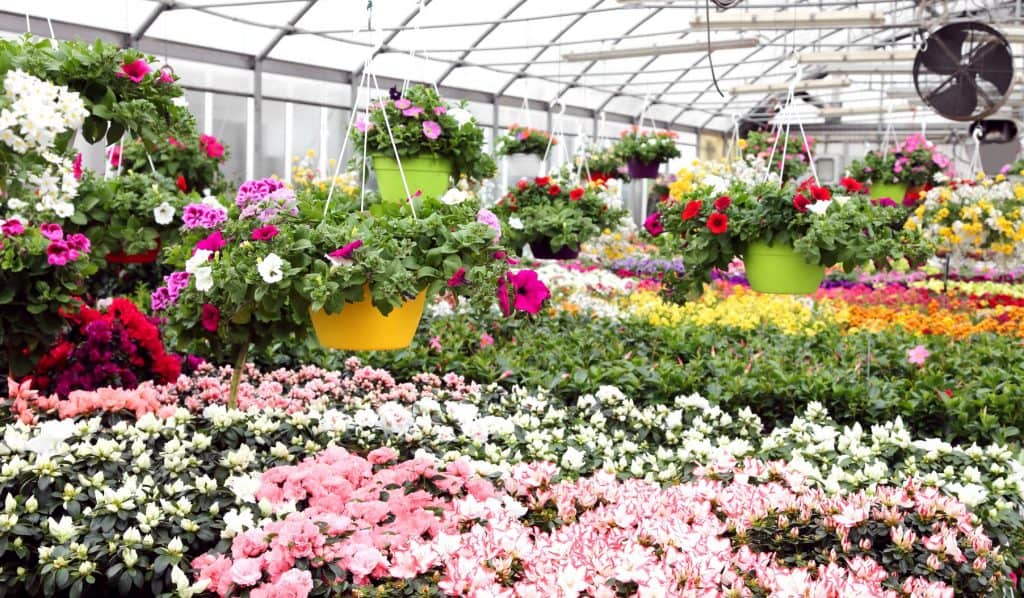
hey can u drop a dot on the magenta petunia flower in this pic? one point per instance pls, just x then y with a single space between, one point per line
362 125
343 256
210 317
265 233
431 130
166 76
76 167
114 155
503 300
59 254
52 231
530 291
411 112
653 224
12 228
213 242
136 71
458 279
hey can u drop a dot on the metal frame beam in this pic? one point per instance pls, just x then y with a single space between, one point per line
490 29
285 31
147 23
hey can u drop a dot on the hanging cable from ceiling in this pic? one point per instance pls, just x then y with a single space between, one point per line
722 4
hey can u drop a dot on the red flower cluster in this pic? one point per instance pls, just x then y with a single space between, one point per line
852 185
808 193
120 347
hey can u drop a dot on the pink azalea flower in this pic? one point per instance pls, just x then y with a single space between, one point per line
343 256
246 572
458 279
431 130
12 228
918 355
530 291
413 111
136 71
210 317
265 233
52 231
213 242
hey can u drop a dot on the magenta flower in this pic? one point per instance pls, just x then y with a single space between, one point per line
166 76
12 228
160 299
114 155
79 242
431 130
52 231
439 110
213 242
530 291
503 300
265 233
76 167
210 145
458 279
918 355
136 71
411 112
199 215
403 104
653 224
343 256
210 317
176 283
59 254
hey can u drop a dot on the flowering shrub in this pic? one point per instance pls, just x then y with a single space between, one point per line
421 123
646 146
525 140
713 226
760 146
41 271
36 120
542 209
913 162
189 159
117 346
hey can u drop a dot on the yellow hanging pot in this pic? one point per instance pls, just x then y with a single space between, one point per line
360 326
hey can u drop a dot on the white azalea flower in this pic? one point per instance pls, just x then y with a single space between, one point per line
163 213
270 268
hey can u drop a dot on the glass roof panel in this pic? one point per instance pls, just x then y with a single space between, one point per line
210 31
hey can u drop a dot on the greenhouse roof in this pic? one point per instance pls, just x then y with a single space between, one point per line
502 51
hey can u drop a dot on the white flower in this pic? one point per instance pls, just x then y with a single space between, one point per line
819 207
515 222
270 268
200 257
572 459
62 530
50 434
244 487
163 213
204 278
454 197
461 115
16 204
63 209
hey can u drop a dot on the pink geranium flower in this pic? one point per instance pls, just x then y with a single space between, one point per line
431 130
210 317
12 228
52 231
79 242
136 70
59 254
530 291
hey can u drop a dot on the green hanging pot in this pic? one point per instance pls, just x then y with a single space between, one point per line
894 191
427 174
780 269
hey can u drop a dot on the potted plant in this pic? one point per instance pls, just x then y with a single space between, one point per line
433 139
524 148
645 151
760 146
373 270
129 217
555 218
602 165
787 235
902 172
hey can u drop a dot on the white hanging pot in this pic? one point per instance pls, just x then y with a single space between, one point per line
522 166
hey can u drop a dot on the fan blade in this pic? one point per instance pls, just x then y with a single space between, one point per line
944 51
993 63
957 100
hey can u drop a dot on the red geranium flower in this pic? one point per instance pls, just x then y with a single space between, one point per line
800 202
722 203
182 184
718 223
542 180
692 209
851 185
554 190
576 194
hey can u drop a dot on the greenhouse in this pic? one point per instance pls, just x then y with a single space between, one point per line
505 298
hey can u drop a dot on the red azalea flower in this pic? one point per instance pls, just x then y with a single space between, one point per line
820 193
210 317
542 181
722 203
554 190
576 194
653 224
530 291
265 233
851 185
718 223
182 184
800 202
692 209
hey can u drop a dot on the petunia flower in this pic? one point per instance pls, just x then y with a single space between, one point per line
692 209
270 268
576 194
718 223
114 155
394 94
76 167
163 213
213 242
485 216
182 183
439 110
210 317
653 224
431 130
265 233
458 279
343 256
503 301
166 76
413 111
530 291
136 70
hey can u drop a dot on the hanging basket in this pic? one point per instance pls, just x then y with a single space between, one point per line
427 174
894 191
643 170
542 250
146 257
780 269
360 326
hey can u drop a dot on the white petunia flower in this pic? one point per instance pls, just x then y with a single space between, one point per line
270 268
204 278
163 213
819 207
454 197
200 257
515 222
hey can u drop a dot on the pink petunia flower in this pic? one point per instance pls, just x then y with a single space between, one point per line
413 111
439 110
343 256
265 233
431 130
136 70
458 279
114 155
76 167
213 242
403 104
166 76
530 291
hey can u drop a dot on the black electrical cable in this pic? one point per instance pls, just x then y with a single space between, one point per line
707 26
